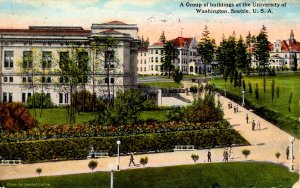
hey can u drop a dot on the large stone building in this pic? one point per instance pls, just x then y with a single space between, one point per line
150 58
21 76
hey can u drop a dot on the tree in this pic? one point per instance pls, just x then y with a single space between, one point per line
144 160
170 54
277 94
295 67
249 40
250 87
92 165
206 48
256 91
241 55
177 76
40 100
290 101
246 152
244 85
38 171
277 155
262 50
273 90
126 109
264 84
195 157
74 68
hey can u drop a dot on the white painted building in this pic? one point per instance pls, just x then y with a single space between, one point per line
48 43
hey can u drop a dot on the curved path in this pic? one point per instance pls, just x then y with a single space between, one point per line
264 145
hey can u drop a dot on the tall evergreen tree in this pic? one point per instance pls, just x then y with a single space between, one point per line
241 55
170 54
206 49
262 50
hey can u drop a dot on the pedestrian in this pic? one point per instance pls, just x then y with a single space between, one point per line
247 118
234 109
288 152
226 155
208 156
228 105
253 125
258 125
131 159
237 108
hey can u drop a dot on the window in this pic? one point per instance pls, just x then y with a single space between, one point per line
27 59
11 79
156 59
5 79
112 80
152 67
145 61
4 97
60 98
8 59
29 79
141 69
23 97
63 60
66 98
23 79
152 59
10 97
145 69
47 59
156 51
156 67
48 79
109 59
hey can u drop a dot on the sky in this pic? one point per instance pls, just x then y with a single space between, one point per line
174 17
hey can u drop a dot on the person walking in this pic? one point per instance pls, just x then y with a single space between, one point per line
247 118
208 156
253 125
258 125
131 159
226 155
288 152
237 108
230 153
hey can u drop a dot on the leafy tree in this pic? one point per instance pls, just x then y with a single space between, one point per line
277 94
15 117
170 54
250 87
40 100
177 76
38 171
277 155
290 101
220 58
85 102
92 165
195 157
273 90
126 109
244 85
206 48
295 67
194 91
256 92
246 152
262 49
144 160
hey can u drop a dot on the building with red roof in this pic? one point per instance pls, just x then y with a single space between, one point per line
49 42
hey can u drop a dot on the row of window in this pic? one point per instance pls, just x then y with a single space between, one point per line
6 79
7 97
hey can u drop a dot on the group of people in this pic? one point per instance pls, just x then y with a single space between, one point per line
256 125
235 108
228 153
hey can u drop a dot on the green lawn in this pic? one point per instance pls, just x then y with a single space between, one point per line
287 84
235 174
163 84
60 116
159 115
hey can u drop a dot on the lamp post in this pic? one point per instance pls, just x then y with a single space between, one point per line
243 103
292 139
112 178
118 162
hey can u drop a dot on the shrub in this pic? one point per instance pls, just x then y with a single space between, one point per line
144 160
195 157
40 100
86 102
92 165
15 117
78 148
246 152
38 171
277 155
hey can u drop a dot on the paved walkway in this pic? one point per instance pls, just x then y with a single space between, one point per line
264 145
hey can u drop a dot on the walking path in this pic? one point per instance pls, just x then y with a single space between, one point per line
264 145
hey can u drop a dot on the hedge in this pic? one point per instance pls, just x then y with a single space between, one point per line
77 148
280 120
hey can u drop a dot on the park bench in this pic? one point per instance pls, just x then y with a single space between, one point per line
97 154
10 162
184 147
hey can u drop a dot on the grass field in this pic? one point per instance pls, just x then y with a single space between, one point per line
159 115
288 84
163 84
59 116
235 174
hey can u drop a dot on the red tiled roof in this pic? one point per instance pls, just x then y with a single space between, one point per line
116 22
293 44
180 41
158 44
49 32
143 49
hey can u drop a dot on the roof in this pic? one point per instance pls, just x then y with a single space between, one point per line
116 22
47 31
181 41
286 45
158 44
143 49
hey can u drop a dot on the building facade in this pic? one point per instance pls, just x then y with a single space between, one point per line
30 60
